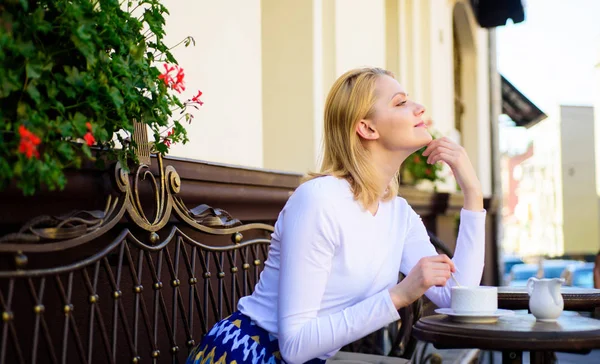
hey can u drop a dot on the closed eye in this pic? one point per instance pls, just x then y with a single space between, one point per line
401 103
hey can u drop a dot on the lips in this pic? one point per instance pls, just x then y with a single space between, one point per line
420 125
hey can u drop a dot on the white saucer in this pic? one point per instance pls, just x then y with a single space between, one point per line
475 317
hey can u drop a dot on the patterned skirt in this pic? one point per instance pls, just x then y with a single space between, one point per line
238 340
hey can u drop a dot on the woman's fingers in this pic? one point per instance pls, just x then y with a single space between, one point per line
438 150
440 262
445 142
443 258
450 159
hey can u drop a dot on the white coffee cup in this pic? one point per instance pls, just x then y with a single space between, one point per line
474 299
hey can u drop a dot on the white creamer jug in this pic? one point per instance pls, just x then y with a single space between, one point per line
545 300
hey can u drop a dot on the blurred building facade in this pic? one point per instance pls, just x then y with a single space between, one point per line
579 197
265 68
551 199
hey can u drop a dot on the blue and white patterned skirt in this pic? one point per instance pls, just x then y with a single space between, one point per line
238 340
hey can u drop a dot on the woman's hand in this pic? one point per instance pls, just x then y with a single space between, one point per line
445 150
430 271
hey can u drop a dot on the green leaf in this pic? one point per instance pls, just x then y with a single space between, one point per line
18 169
33 70
66 151
79 121
87 151
116 97
34 93
24 4
51 89
22 110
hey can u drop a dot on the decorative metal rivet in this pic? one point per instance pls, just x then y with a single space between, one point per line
175 349
94 298
246 266
237 238
117 294
7 316
156 353
177 182
158 285
21 260
207 275
257 262
154 238
68 308
234 269
190 343
138 289
221 274
193 280
136 360
39 309
175 282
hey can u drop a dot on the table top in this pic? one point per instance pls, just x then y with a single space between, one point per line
572 332
576 299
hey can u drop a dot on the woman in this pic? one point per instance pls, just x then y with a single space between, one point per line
343 236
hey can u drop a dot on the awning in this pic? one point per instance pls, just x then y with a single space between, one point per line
495 13
518 107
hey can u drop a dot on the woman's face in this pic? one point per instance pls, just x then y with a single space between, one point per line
397 121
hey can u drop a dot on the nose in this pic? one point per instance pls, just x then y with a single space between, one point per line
419 109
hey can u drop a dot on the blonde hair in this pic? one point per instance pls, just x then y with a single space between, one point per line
351 99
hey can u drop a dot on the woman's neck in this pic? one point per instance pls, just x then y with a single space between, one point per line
387 166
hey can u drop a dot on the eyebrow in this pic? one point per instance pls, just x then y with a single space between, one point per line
399 93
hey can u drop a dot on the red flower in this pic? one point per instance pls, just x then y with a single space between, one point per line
166 77
89 138
178 83
416 158
428 172
174 83
29 143
196 98
167 141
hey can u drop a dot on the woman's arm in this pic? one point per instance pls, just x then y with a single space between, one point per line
447 151
468 257
309 239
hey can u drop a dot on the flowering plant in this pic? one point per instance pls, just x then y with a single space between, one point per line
74 76
415 167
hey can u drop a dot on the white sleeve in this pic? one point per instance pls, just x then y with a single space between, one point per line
468 257
309 239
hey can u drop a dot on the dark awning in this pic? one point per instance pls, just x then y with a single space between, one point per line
518 107
495 13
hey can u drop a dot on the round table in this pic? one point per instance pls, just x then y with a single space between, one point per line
576 299
512 335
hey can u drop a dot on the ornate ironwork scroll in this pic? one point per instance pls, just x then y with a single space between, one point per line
87 287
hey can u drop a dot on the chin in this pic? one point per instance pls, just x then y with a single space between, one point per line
424 140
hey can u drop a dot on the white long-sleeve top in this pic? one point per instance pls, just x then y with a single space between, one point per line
331 262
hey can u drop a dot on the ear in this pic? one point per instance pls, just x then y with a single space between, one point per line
366 130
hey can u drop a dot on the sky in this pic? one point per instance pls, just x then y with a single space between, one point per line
550 57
